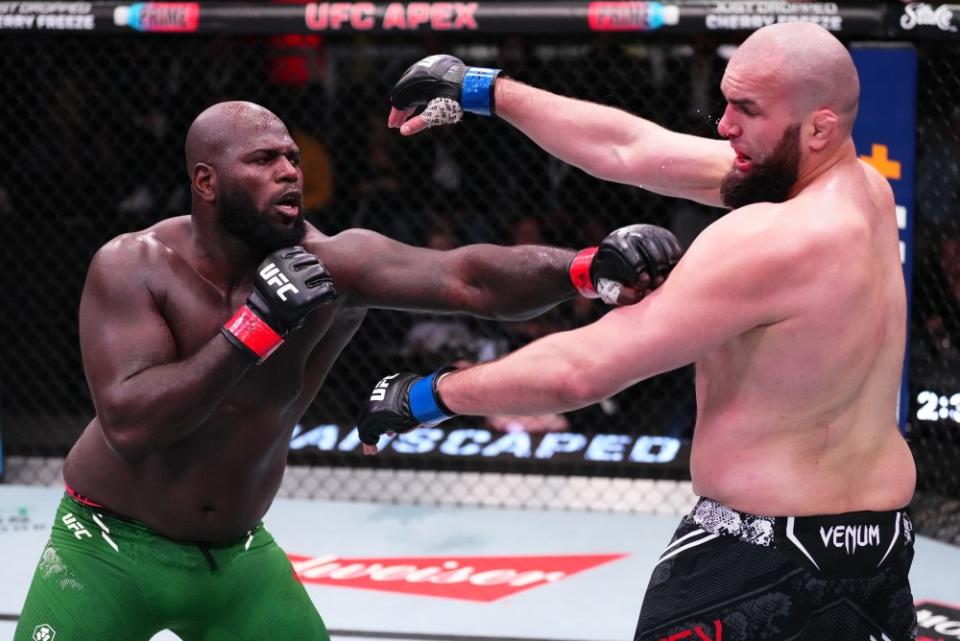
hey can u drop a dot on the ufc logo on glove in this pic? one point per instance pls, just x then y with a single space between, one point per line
380 391
272 274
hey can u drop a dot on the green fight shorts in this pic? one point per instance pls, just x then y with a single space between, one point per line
102 577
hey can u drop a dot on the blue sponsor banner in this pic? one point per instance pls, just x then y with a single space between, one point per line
885 136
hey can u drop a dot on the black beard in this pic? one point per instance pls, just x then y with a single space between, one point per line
769 182
240 217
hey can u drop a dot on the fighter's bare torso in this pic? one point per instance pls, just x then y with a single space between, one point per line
191 438
218 481
798 416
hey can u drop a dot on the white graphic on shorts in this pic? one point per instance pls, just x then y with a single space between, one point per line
720 519
72 523
893 541
669 553
43 632
105 532
793 539
850 537
52 568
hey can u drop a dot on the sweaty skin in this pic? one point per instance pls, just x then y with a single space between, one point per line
190 437
794 312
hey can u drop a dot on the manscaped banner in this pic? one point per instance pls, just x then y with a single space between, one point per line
481 448
849 19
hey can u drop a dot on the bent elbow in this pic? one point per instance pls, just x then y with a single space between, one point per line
124 440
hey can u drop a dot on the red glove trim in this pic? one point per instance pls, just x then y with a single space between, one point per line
580 272
253 332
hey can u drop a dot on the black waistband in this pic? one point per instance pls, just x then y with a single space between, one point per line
853 540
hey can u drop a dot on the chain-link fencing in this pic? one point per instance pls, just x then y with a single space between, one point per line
93 131
934 363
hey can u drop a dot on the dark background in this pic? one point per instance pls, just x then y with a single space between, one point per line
91 134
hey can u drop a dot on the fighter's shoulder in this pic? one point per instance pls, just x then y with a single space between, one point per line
759 241
346 240
880 188
142 250
874 177
348 250
756 229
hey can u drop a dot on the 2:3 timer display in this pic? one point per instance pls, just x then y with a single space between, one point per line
938 407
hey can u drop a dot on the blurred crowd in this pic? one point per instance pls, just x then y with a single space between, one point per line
94 147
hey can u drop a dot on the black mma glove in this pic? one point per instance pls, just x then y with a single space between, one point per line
400 403
289 284
638 257
448 78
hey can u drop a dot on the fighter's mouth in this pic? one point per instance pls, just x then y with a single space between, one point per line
742 162
289 204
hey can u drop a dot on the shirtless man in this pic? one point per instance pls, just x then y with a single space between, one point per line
204 338
791 306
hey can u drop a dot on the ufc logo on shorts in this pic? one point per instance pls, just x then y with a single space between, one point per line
72 523
272 274
380 391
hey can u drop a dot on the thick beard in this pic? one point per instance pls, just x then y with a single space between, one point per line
770 181
240 217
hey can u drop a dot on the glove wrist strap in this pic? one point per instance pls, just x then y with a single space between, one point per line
580 272
251 333
425 403
477 95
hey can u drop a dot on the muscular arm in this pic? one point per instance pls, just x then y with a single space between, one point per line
147 395
613 145
510 283
728 283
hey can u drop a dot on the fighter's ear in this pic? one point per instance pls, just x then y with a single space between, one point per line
826 126
204 181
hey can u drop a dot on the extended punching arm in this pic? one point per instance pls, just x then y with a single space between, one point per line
603 141
509 283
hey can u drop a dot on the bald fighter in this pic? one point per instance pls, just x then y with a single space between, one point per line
791 306
204 338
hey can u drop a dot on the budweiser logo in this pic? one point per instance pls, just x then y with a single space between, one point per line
475 578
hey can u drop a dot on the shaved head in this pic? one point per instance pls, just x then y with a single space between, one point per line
225 125
244 170
809 63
